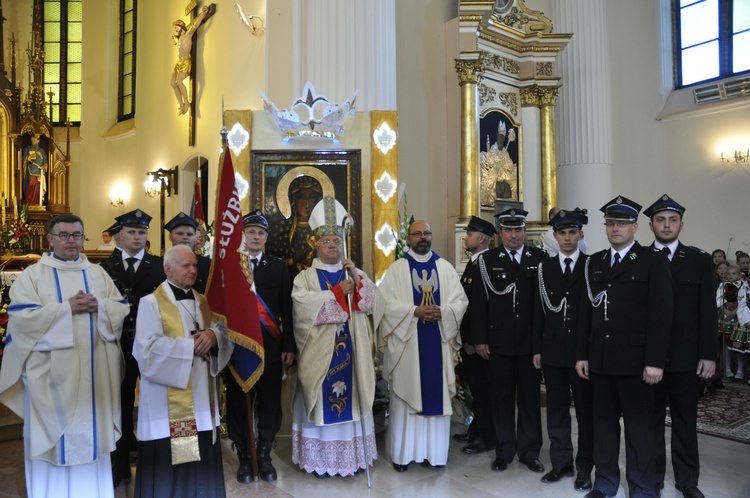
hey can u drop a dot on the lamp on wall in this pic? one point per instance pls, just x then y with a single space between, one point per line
738 157
115 200
162 182
254 24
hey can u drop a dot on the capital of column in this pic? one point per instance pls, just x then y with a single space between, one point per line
539 96
469 71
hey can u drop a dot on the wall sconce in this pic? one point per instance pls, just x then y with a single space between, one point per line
162 182
254 24
115 200
738 157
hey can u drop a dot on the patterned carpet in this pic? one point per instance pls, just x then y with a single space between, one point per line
725 412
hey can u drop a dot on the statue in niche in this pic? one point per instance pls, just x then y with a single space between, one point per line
34 168
183 39
498 172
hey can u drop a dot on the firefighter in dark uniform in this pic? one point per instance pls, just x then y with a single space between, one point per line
136 274
692 348
626 319
274 292
502 312
561 289
481 434
182 230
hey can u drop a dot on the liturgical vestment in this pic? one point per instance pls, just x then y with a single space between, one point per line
419 357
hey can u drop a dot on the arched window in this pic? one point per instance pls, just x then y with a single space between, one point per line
63 41
711 39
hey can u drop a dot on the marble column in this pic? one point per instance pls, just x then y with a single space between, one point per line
469 73
584 111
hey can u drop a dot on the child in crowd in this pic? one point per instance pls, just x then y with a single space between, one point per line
728 295
718 257
720 273
743 261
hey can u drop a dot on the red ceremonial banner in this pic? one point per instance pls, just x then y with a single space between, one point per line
229 293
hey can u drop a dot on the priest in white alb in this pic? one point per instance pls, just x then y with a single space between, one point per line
180 350
336 377
418 332
61 367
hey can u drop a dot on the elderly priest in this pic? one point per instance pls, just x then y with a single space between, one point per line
180 351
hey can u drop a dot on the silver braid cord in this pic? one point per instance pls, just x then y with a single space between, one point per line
488 284
596 301
545 298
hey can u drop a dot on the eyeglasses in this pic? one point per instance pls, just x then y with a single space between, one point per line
77 236
328 242
419 235
618 224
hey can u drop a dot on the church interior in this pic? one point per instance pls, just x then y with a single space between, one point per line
567 102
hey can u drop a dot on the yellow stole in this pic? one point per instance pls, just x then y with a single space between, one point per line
183 428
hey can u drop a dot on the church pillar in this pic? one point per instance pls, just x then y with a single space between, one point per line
469 73
547 100
584 110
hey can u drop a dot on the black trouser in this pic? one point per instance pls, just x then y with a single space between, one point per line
477 374
266 396
559 382
680 389
632 399
127 400
514 380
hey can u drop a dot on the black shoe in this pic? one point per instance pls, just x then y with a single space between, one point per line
690 491
478 447
400 468
466 437
534 465
499 465
265 468
595 493
245 472
583 482
555 475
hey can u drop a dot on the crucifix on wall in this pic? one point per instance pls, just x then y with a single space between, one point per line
184 70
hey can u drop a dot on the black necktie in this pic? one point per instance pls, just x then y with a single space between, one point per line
513 257
666 251
617 260
254 261
130 270
567 268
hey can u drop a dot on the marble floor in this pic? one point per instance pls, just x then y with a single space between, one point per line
725 473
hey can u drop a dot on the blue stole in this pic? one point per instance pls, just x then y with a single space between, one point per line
429 339
337 384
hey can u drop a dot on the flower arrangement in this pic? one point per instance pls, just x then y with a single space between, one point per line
19 233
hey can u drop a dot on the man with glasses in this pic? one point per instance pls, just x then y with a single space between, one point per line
273 290
419 333
622 347
336 376
136 274
502 316
61 368
182 230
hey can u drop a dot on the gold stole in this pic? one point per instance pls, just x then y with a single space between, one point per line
183 428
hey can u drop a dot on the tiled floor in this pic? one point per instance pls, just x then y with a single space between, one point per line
725 473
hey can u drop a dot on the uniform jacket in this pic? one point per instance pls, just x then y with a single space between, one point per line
694 327
148 276
630 328
556 333
201 280
469 277
501 322
274 287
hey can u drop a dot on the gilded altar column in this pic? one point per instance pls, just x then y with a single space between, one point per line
469 73
547 101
